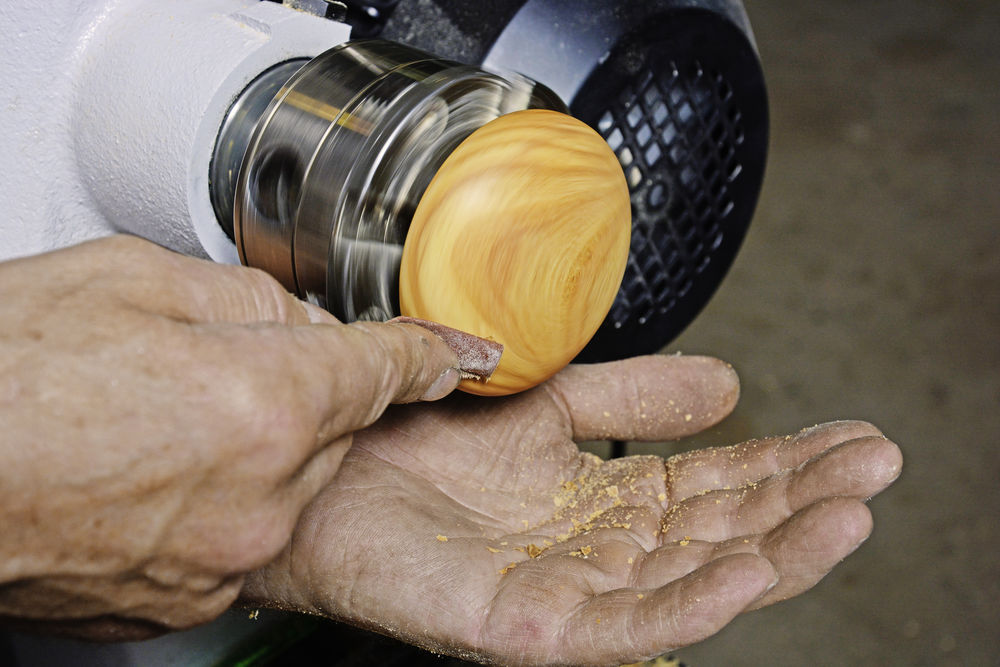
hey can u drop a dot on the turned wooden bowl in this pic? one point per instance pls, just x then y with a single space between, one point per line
522 237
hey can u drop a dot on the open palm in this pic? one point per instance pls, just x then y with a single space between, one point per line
476 527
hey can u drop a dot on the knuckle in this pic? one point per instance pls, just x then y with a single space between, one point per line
271 300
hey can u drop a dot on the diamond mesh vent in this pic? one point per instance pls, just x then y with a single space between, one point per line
682 103
676 135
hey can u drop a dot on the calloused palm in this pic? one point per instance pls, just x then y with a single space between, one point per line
476 527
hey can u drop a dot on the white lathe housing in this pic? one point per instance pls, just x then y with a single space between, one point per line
110 110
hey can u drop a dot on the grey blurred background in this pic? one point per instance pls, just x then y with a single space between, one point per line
869 287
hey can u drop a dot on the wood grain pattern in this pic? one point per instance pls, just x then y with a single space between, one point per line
522 237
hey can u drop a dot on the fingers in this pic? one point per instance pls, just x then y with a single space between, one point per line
237 295
802 549
645 398
685 591
703 470
351 373
857 469
400 363
157 280
810 544
234 294
619 625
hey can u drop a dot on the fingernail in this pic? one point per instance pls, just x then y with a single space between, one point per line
444 385
477 357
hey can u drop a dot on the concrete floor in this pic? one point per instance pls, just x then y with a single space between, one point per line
869 287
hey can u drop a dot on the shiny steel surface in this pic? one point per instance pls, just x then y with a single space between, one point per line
235 134
339 161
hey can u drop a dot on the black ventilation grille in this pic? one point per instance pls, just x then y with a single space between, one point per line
683 105
676 134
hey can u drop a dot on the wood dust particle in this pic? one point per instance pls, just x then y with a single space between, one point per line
686 541
688 417
442 538
492 550
662 497
510 566
254 614
630 560
586 551
640 596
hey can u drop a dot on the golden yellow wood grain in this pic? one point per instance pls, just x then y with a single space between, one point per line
522 237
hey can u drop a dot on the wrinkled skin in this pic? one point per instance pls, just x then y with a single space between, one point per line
169 424
476 527
164 421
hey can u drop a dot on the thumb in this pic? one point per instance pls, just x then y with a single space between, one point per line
354 371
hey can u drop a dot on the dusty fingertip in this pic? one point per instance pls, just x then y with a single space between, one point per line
892 460
719 372
843 430
883 460
717 381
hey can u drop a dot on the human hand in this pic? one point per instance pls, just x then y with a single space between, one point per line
477 528
165 419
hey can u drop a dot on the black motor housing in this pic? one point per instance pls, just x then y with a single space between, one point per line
676 89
